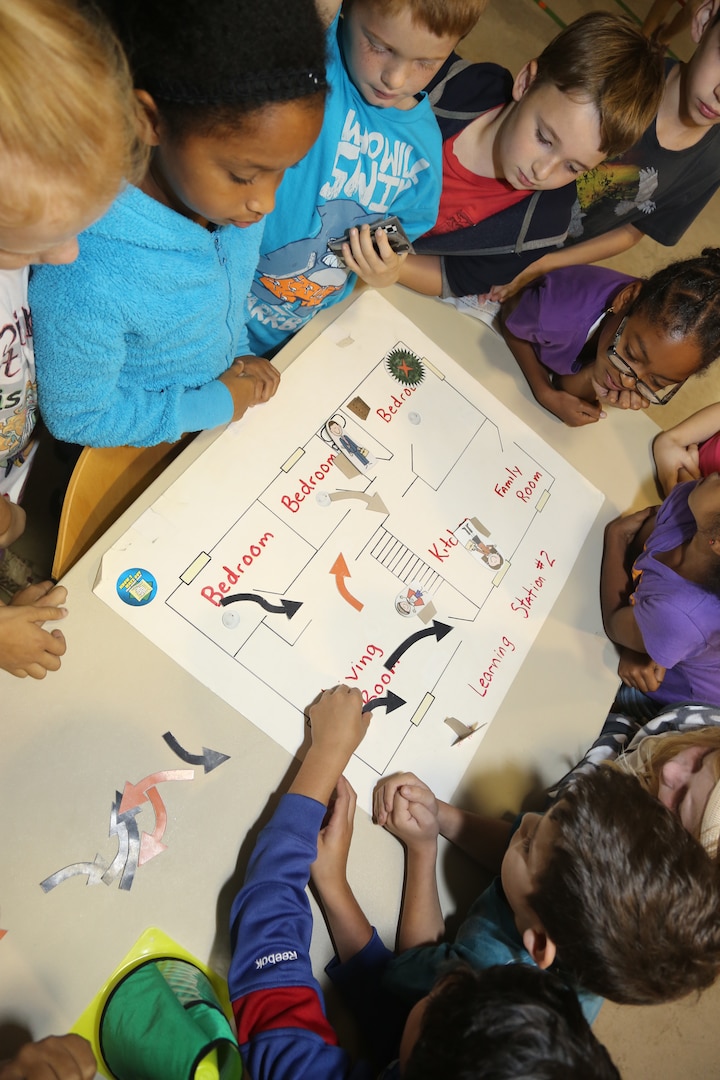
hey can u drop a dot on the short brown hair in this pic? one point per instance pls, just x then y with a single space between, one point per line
443 18
67 109
629 898
607 60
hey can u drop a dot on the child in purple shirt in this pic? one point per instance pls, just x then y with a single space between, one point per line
664 612
586 337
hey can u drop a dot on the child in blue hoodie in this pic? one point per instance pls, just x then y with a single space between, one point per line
144 337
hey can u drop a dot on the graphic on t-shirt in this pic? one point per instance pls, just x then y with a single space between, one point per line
305 271
627 186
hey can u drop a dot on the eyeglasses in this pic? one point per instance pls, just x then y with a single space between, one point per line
655 397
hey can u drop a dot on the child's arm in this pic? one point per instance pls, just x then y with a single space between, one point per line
423 273
676 450
484 839
589 251
12 522
349 928
327 10
616 581
25 647
414 821
338 726
572 410
59 1057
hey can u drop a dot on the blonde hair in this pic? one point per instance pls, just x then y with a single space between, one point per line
654 751
67 110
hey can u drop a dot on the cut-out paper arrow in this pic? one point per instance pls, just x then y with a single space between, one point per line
125 863
136 794
340 569
151 843
285 607
390 702
94 871
438 630
209 759
372 502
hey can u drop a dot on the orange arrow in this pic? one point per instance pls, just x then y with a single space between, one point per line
340 570
151 843
135 794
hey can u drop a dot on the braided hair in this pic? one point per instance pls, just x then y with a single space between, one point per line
209 64
683 299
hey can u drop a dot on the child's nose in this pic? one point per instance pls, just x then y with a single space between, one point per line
395 74
263 196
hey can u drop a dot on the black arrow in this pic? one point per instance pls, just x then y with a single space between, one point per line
285 607
438 629
391 702
209 759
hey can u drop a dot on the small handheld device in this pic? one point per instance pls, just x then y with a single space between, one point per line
397 238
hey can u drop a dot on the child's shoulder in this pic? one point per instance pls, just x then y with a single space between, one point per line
466 89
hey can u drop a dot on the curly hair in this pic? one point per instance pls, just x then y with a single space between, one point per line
683 300
210 64
628 896
509 1022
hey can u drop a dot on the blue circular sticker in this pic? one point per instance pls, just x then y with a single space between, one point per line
136 587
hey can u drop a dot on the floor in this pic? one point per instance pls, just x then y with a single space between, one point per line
662 1043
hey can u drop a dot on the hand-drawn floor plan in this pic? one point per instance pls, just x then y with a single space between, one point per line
383 522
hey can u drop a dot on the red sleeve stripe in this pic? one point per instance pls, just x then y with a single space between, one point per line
282 1007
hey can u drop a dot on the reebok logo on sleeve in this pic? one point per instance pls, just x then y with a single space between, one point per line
275 958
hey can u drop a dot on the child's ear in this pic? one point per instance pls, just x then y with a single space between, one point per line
702 19
149 118
525 79
626 297
541 947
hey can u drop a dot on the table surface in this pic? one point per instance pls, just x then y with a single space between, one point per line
73 740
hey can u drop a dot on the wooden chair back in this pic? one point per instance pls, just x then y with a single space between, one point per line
104 483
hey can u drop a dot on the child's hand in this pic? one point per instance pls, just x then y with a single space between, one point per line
625 399
674 462
250 382
410 788
329 871
266 375
12 522
623 530
572 410
638 670
413 820
25 647
338 724
59 1057
377 268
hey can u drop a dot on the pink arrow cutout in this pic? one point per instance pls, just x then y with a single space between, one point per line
151 843
136 794
340 569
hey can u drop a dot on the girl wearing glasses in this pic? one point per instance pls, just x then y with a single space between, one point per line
660 599
587 337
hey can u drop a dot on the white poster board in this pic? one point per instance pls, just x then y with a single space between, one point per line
383 522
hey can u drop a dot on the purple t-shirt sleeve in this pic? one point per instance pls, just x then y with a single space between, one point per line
556 312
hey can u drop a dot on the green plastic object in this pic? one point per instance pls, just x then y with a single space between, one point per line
163 1021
